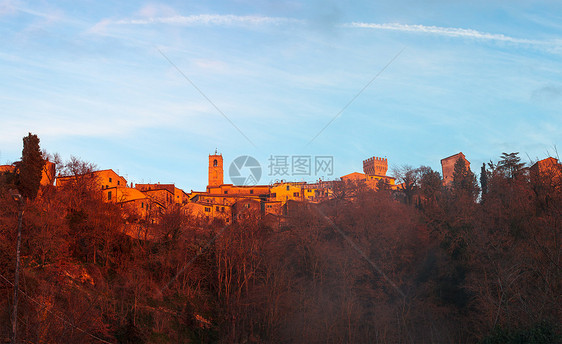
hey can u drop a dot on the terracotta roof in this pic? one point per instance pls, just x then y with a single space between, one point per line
83 174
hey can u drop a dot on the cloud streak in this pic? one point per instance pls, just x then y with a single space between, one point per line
445 31
209 19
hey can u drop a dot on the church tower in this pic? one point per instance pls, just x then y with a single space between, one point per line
215 170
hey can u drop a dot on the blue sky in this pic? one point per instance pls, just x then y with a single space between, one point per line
91 79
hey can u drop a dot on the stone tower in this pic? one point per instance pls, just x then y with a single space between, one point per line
215 169
375 166
448 167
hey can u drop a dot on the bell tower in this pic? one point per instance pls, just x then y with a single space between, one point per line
215 170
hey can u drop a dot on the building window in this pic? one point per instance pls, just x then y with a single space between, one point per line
118 182
295 194
248 205
222 208
107 186
217 208
207 209
225 192
287 187
109 196
110 179
251 191
273 195
142 205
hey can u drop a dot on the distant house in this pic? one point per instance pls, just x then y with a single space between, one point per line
104 179
209 211
113 189
174 196
246 209
163 197
287 191
131 198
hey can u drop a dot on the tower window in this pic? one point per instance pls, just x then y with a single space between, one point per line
215 163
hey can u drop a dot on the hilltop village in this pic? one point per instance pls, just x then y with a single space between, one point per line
228 202
282 263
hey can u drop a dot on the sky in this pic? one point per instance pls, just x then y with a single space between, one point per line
150 89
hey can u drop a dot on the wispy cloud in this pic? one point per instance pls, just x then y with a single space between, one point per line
7 7
547 93
445 31
209 19
12 7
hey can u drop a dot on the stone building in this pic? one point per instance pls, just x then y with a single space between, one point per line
224 201
374 169
113 189
448 167
375 166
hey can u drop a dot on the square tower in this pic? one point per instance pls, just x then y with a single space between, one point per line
215 170
375 166
448 167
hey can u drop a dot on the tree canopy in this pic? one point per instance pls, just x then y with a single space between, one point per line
510 165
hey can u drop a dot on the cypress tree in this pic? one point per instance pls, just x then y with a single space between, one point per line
31 167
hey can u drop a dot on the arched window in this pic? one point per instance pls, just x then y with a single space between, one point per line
215 163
